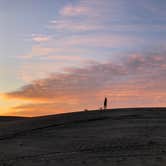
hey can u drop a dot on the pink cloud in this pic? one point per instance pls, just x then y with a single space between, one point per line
125 83
38 51
41 39
74 26
71 10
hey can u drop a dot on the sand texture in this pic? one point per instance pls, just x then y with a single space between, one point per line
119 137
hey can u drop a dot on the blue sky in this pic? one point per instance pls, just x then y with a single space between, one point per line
43 38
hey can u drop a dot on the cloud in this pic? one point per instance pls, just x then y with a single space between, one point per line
42 60
138 80
94 25
101 40
77 17
71 10
74 26
38 51
85 16
73 81
110 16
40 38
29 71
58 53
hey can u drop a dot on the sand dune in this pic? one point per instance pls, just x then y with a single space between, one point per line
6 119
113 137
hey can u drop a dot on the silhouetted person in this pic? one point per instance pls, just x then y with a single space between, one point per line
105 103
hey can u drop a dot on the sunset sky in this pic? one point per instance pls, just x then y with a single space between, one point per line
67 55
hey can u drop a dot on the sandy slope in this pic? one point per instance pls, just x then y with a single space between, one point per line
135 137
6 119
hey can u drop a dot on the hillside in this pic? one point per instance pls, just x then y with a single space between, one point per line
4 119
119 137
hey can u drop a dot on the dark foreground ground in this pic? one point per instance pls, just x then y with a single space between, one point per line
121 137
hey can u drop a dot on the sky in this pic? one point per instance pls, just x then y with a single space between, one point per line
67 55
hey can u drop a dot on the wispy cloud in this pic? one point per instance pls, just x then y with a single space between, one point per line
90 25
70 15
29 71
74 26
111 16
77 10
41 38
38 51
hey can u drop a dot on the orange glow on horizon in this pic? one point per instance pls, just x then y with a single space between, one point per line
36 107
